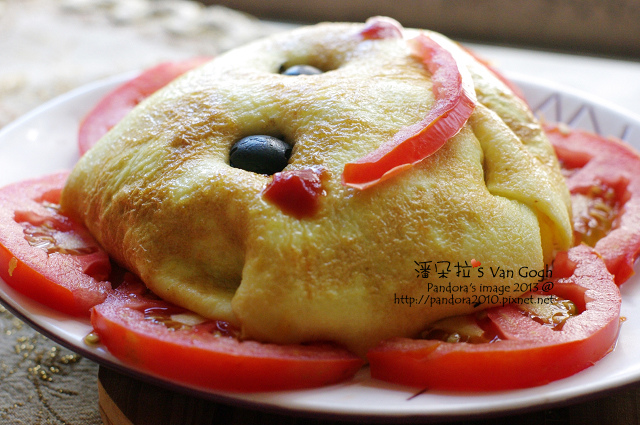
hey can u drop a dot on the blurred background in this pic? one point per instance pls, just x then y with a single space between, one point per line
610 27
48 47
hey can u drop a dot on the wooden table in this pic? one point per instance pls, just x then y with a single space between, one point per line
127 401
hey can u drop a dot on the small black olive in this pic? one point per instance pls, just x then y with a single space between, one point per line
260 154
301 70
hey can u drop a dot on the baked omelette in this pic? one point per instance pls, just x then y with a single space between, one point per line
159 194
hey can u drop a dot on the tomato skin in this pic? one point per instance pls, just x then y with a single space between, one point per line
70 283
529 354
595 160
197 357
115 105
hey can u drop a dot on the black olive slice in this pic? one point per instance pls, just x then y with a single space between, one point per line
260 154
301 70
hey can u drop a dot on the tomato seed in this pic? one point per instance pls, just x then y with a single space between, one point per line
595 214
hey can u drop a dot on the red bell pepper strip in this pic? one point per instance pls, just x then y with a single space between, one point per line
455 101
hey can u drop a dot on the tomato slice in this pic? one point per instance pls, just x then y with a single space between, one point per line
602 176
44 254
178 345
114 106
455 101
527 352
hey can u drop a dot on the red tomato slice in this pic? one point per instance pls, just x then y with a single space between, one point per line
206 353
455 101
603 176
114 106
528 353
45 255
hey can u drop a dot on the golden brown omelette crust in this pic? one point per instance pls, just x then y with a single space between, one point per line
159 194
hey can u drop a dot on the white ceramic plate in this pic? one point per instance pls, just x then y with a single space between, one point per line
44 141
